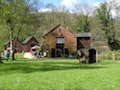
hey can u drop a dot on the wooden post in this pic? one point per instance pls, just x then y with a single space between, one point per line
113 56
97 56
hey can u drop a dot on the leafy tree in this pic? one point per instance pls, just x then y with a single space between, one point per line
82 24
107 25
14 14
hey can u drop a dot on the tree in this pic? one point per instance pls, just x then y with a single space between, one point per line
14 14
107 25
83 12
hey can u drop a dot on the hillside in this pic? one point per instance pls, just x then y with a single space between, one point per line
39 24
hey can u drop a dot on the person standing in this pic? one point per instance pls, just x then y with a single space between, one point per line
8 55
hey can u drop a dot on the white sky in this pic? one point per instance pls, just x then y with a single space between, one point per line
69 4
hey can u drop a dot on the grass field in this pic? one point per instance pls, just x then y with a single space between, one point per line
59 74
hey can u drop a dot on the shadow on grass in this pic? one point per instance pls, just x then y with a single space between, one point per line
29 67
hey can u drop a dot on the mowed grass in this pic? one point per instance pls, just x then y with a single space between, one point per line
59 74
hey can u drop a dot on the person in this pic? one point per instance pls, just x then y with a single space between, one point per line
8 55
34 54
31 51
0 58
2 55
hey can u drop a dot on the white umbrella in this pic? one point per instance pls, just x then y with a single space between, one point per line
35 47
8 48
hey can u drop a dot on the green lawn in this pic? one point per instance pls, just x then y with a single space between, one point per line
59 74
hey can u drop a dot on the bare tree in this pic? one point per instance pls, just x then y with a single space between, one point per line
83 12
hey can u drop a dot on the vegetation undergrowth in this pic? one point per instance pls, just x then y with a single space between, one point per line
109 55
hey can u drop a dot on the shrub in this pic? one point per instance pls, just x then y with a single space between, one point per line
108 55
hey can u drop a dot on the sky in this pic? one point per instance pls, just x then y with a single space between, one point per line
69 4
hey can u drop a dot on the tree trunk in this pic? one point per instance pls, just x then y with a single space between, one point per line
12 49
13 55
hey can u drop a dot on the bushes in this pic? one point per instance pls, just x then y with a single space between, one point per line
108 55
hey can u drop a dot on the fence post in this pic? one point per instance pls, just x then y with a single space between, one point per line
113 56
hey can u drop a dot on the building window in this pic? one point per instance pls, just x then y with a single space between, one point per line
60 40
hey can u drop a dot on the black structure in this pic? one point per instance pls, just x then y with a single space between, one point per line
92 56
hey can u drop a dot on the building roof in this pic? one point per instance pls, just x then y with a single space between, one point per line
24 42
10 41
55 29
52 30
83 34
27 39
7 42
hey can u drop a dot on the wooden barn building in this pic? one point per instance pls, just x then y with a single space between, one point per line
59 42
23 46
28 43
84 48
17 44
83 40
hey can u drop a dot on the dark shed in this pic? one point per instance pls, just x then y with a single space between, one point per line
83 45
83 40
